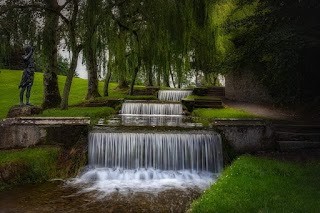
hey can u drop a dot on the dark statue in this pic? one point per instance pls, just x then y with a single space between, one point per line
28 75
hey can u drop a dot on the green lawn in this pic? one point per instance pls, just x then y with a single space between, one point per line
192 97
9 96
9 92
254 184
222 113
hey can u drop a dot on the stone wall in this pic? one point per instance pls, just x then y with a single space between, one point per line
26 132
244 86
246 136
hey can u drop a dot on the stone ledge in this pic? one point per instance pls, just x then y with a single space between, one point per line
46 121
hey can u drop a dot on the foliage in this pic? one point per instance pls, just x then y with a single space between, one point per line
254 184
28 165
272 41
168 42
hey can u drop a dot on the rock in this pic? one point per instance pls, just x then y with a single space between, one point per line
21 111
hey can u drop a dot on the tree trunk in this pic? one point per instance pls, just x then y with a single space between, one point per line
67 85
149 75
121 60
91 13
166 77
52 96
172 77
75 54
107 80
158 77
93 91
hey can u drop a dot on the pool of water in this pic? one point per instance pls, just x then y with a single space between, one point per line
61 196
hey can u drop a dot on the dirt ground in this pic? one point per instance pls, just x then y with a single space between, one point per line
303 114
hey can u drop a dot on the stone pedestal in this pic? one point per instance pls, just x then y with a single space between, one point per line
23 111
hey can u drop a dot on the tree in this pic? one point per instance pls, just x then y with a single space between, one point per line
51 97
73 35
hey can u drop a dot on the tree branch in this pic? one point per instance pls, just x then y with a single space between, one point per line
35 6
64 5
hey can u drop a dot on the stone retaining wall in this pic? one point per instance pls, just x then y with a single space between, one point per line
244 86
246 136
24 132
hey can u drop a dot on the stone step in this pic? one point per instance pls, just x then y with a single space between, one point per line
301 128
297 145
297 136
204 103
213 91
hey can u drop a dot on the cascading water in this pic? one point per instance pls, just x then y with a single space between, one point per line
146 108
165 151
151 161
173 95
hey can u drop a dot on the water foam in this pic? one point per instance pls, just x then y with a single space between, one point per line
107 180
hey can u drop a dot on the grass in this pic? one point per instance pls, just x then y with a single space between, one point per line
222 113
27 165
192 97
95 113
253 184
9 92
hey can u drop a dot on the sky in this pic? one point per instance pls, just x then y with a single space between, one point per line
81 69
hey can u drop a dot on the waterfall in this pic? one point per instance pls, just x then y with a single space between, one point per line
173 95
145 108
160 151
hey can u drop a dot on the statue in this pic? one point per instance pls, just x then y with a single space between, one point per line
28 75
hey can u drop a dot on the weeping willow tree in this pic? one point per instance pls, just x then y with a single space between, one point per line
18 26
72 40
184 39
276 42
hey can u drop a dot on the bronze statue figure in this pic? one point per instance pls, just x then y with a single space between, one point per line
28 75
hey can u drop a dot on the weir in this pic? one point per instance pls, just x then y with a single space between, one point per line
146 108
151 161
196 152
173 95
135 156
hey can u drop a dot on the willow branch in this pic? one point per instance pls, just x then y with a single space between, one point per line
35 6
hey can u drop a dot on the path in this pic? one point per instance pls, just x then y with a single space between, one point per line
303 115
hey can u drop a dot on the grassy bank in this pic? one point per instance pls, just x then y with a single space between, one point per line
253 184
28 165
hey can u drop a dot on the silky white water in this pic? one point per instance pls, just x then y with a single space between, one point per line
173 95
151 162
142 108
